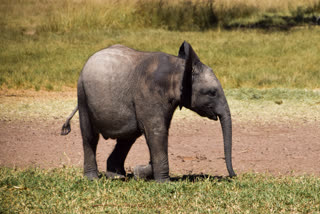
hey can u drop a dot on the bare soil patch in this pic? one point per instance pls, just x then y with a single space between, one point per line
195 147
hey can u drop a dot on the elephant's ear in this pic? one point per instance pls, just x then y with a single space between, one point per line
186 52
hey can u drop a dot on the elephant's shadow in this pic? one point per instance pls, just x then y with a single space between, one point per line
198 177
189 177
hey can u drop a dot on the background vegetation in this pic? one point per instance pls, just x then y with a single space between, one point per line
44 43
70 15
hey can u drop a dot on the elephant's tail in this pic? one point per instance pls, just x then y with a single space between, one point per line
66 128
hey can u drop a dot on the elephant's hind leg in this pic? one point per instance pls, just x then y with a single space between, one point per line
90 141
115 162
90 138
143 171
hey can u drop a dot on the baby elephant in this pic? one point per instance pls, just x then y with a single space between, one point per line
124 93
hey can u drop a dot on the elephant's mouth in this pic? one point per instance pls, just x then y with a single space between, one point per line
213 117
207 112
210 114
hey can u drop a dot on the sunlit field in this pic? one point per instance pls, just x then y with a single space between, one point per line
266 55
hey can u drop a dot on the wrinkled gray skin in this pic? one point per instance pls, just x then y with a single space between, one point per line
124 93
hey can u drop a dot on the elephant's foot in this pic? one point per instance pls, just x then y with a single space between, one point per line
115 172
114 175
161 172
143 172
162 178
92 175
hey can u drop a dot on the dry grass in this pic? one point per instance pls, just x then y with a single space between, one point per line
69 15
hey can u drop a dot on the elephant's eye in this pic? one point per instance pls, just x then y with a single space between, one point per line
211 93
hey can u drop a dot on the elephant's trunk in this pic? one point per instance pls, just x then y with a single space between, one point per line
226 125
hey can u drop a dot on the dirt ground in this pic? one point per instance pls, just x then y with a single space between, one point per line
195 147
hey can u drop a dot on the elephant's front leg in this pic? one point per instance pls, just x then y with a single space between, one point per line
157 140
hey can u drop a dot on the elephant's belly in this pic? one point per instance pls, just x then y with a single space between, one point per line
117 127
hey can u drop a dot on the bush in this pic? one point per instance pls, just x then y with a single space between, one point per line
184 15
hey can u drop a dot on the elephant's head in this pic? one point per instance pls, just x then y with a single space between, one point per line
201 92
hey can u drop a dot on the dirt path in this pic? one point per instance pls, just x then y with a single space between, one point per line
194 147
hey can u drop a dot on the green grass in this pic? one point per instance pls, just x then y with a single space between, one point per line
64 190
240 59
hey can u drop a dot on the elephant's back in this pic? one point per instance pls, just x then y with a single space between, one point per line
111 62
110 69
